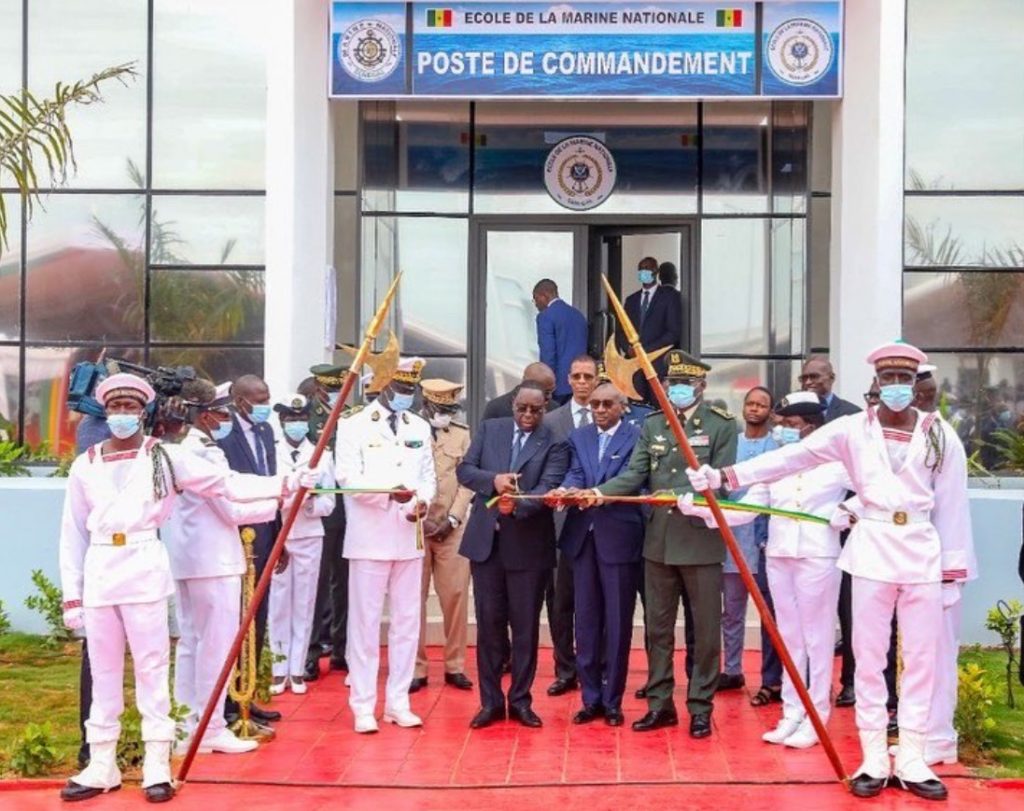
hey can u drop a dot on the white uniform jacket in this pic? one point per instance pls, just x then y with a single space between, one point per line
915 523
109 551
309 522
201 534
368 454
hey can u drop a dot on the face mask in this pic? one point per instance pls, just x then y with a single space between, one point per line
260 412
682 395
785 436
897 396
221 431
295 431
400 402
124 425
646 276
332 398
441 420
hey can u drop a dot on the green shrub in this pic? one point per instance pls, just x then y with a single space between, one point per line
5 620
131 749
33 752
49 602
13 458
1004 619
974 698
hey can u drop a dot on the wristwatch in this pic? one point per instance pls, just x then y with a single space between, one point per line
455 522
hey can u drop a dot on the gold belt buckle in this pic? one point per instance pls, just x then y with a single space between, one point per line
899 518
119 539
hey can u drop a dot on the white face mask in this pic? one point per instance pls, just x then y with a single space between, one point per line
440 420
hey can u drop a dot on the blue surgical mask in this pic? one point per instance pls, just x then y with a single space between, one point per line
221 431
682 395
400 402
785 436
296 430
260 412
332 398
124 425
897 396
646 277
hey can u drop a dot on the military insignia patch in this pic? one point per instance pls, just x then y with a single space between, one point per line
413 443
376 416
351 412
701 441
721 412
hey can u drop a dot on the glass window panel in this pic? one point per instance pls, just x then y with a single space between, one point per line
969 309
10 45
964 96
209 94
85 262
789 260
453 369
214 363
818 276
734 304
735 141
206 306
821 145
346 255
980 231
654 146
980 394
69 42
516 261
789 156
10 391
10 272
731 378
429 314
345 121
213 230
416 156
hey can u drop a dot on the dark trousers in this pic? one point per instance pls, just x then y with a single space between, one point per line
893 701
84 699
771 664
605 598
664 585
506 599
558 596
846 631
688 636
330 618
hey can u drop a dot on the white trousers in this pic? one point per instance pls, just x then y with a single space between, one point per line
919 615
368 582
941 732
292 605
144 626
208 610
806 595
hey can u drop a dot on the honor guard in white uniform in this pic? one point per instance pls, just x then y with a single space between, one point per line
116 576
911 542
207 563
385 446
293 584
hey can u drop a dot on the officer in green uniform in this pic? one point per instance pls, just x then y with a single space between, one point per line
680 552
331 616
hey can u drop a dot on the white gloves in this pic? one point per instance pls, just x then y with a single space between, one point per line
302 477
74 618
704 478
841 519
685 504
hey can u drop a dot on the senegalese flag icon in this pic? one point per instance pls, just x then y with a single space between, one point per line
439 18
729 18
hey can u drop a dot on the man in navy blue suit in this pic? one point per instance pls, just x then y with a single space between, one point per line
561 334
605 545
657 312
511 553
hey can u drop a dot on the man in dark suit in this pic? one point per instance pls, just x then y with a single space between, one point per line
540 373
511 552
817 375
249 448
657 312
604 545
561 334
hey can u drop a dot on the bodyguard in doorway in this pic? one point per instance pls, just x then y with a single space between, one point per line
657 312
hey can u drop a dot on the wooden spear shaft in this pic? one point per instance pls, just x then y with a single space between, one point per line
767 621
264 582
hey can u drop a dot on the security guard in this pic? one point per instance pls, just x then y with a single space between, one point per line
679 552
442 529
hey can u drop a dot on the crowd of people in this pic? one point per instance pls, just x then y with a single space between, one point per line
871 532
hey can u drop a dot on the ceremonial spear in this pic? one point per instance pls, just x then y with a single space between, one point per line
264 582
767 621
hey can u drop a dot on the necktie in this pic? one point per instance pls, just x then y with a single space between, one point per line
393 422
517 447
261 456
602 445
295 455
645 302
583 417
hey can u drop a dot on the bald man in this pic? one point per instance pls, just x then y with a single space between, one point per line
541 373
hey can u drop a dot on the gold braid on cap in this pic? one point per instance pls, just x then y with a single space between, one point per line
411 375
897 363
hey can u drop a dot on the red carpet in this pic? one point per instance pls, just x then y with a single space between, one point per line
317 761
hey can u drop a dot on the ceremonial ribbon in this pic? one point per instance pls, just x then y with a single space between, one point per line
391 491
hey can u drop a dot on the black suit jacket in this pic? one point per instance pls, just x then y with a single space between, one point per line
528 535
241 459
501 406
663 324
840 408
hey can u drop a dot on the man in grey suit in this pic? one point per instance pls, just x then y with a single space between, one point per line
559 596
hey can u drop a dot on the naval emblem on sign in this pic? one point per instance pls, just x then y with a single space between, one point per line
799 51
579 173
369 50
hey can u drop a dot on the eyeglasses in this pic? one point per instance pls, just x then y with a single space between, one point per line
582 376
809 377
528 409
602 404
872 396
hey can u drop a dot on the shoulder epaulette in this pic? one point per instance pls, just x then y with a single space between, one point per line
462 425
352 411
656 413
721 412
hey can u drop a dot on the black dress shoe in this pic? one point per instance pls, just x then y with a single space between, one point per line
641 692
160 793
326 649
926 790
846 697
864 785
614 717
559 687
83 756
730 681
700 725
506 666
525 716
588 714
458 681
74 792
417 684
487 716
311 672
262 715
339 664
656 719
